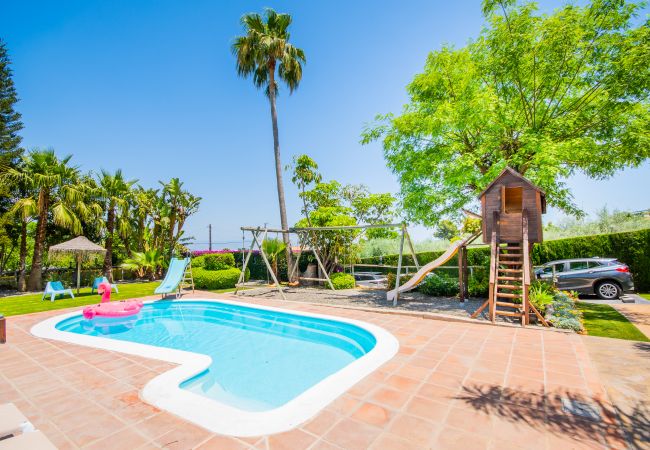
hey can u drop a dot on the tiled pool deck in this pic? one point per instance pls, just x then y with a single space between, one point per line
452 385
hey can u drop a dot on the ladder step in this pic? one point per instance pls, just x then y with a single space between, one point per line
510 248
510 270
508 313
509 286
507 295
509 278
510 263
512 255
509 305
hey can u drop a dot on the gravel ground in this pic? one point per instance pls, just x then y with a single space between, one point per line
410 301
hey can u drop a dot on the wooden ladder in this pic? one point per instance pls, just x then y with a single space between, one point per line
509 285
510 278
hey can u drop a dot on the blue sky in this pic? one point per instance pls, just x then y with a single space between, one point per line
149 86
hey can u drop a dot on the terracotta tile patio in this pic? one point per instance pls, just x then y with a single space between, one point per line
452 385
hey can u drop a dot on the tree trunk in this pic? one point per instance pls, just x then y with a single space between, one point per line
22 257
108 258
172 225
36 273
278 169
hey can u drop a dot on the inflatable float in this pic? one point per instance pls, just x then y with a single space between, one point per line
106 309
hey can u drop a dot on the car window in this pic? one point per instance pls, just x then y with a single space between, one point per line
578 265
593 264
559 267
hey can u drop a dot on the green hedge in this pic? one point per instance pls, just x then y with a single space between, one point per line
215 279
342 280
632 248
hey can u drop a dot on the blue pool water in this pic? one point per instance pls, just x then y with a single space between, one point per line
260 359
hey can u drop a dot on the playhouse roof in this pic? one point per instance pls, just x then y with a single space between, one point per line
513 172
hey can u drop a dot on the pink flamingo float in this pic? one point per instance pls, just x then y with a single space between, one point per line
122 308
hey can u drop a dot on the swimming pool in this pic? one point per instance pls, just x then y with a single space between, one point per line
243 370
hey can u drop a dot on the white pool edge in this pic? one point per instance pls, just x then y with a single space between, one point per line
164 392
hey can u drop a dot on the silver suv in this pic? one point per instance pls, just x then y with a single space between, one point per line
605 277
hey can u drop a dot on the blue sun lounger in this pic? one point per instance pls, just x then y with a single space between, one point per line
179 273
55 288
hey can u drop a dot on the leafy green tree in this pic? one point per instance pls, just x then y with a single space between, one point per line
549 95
10 124
113 192
264 49
327 204
305 173
446 230
59 194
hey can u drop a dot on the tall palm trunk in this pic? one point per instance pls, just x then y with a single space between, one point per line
36 273
108 258
22 257
278 167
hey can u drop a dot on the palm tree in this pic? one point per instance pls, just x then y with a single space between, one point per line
114 192
264 48
26 209
58 192
173 194
144 263
273 248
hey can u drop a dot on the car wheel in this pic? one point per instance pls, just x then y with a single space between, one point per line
608 290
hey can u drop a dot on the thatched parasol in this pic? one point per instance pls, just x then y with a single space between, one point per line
81 247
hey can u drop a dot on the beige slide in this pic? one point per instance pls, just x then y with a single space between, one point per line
424 270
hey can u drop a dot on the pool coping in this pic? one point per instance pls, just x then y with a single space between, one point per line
164 390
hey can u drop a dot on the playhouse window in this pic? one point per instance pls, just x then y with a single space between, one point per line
513 199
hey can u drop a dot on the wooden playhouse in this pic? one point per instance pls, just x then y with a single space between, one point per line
511 212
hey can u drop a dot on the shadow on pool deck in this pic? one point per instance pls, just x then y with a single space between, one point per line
547 411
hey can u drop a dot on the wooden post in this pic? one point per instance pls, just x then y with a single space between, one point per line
493 275
268 265
462 273
525 250
3 329
78 271
242 275
412 249
399 268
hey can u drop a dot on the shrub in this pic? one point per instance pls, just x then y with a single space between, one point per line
219 261
562 312
215 279
439 286
342 280
391 277
198 261
540 295
479 283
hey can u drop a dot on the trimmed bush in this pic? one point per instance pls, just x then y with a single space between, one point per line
219 261
215 279
632 248
439 286
198 261
342 280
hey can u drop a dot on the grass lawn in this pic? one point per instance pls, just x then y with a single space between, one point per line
646 296
30 303
603 320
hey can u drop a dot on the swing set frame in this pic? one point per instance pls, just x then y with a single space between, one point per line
303 233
